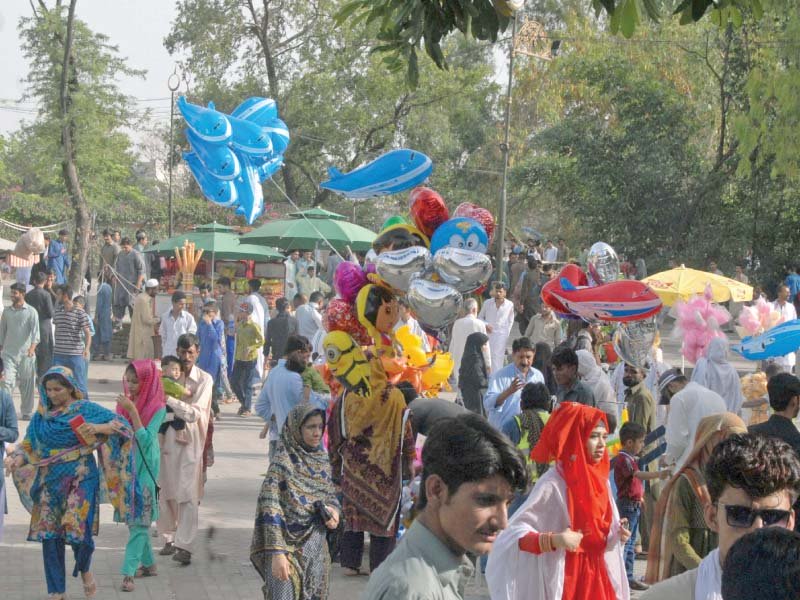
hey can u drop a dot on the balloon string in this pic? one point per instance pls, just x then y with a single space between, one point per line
314 227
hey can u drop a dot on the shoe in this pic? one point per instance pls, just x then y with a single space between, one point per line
127 584
638 586
245 414
168 549
182 556
150 571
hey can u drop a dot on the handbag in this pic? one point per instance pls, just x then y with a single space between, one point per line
149 472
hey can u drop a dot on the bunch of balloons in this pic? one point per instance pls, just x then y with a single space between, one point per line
600 296
699 321
233 154
431 259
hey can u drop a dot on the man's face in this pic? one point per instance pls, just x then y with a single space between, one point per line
733 506
62 238
152 291
307 255
295 255
500 293
474 515
188 357
523 359
126 248
738 270
107 238
204 294
67 302
565 374
546 312
301 356
712 266
783 293
51 279
631 376
178 305
17 297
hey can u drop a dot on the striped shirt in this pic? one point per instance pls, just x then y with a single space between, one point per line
69 329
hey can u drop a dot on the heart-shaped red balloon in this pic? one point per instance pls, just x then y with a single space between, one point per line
480 214
572 273
340 315
428 209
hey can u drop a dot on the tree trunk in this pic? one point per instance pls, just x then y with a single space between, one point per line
69 83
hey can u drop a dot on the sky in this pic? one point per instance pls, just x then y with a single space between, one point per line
137 27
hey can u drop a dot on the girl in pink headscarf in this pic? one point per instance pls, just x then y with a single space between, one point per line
143 405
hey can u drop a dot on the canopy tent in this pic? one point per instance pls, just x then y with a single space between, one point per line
310 228
682 283
6 245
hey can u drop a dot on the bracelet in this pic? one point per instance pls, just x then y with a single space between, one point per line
546 542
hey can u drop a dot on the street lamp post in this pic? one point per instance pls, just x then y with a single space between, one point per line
173 83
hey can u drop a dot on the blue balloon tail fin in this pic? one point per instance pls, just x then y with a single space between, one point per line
212 106
334 173
567 286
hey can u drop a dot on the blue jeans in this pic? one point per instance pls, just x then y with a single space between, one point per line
77 364
242 382
631 510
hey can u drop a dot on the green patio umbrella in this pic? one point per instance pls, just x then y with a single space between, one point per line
306 233
318 213
218 227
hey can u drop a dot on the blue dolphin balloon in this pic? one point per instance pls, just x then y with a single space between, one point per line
278 133
778 341
249 137
258 110
219 191
251 194
207 123
390 173
269 168
218 159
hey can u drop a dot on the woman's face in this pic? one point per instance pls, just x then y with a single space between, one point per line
133 382
312 431
58 394
596 444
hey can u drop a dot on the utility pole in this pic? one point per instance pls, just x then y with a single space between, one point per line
173 83
501 229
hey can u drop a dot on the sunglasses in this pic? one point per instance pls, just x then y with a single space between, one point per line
743 517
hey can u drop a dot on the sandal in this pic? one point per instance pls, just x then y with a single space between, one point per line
348 572
150 571
90 589
127 584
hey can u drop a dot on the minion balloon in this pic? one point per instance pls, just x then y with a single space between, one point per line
347 362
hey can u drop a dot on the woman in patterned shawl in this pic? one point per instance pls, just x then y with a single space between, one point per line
59 481
297 503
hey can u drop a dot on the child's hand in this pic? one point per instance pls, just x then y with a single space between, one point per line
665 474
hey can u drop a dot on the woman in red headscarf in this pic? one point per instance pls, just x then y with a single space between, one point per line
143 405
565 542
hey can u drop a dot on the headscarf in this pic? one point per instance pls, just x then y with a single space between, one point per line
710 431
593 376
717 374
542 361
473 355
564 440
45 407
298 476
151 392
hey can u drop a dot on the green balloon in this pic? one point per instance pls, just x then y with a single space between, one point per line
394 220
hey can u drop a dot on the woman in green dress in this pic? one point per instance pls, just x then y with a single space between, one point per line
143 406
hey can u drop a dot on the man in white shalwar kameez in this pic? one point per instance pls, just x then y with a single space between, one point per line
181 475
498 313
462 328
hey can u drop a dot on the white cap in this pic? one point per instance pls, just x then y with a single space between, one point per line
151 283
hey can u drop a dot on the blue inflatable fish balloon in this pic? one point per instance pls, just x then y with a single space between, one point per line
460 232
778 341
219 191
251 194
218 159
279 133
258 110
207 123
393 172
269 168
249 137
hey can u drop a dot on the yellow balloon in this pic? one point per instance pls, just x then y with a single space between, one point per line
412 346
439 372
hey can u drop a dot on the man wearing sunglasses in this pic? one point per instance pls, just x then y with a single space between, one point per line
752 483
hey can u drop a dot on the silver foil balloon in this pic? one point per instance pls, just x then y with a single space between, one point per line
396 267
465 270
634 340
435 304
602 263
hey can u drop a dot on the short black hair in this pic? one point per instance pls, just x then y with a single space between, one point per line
66 290
564 355
39 278
781 389
106 232
79 300
204 287
18 287
315 297
254 285
224 281
295 343
758 465
126 241
522 343
187 340
140 235
764 563
467 448
2 367
772 369
535 396
170 359
281 304
63 232
178 295
631 431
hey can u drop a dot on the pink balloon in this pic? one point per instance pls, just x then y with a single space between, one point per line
348 280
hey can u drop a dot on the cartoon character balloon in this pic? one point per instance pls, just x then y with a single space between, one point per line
461 232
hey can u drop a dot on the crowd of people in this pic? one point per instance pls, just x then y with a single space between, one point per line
517 469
